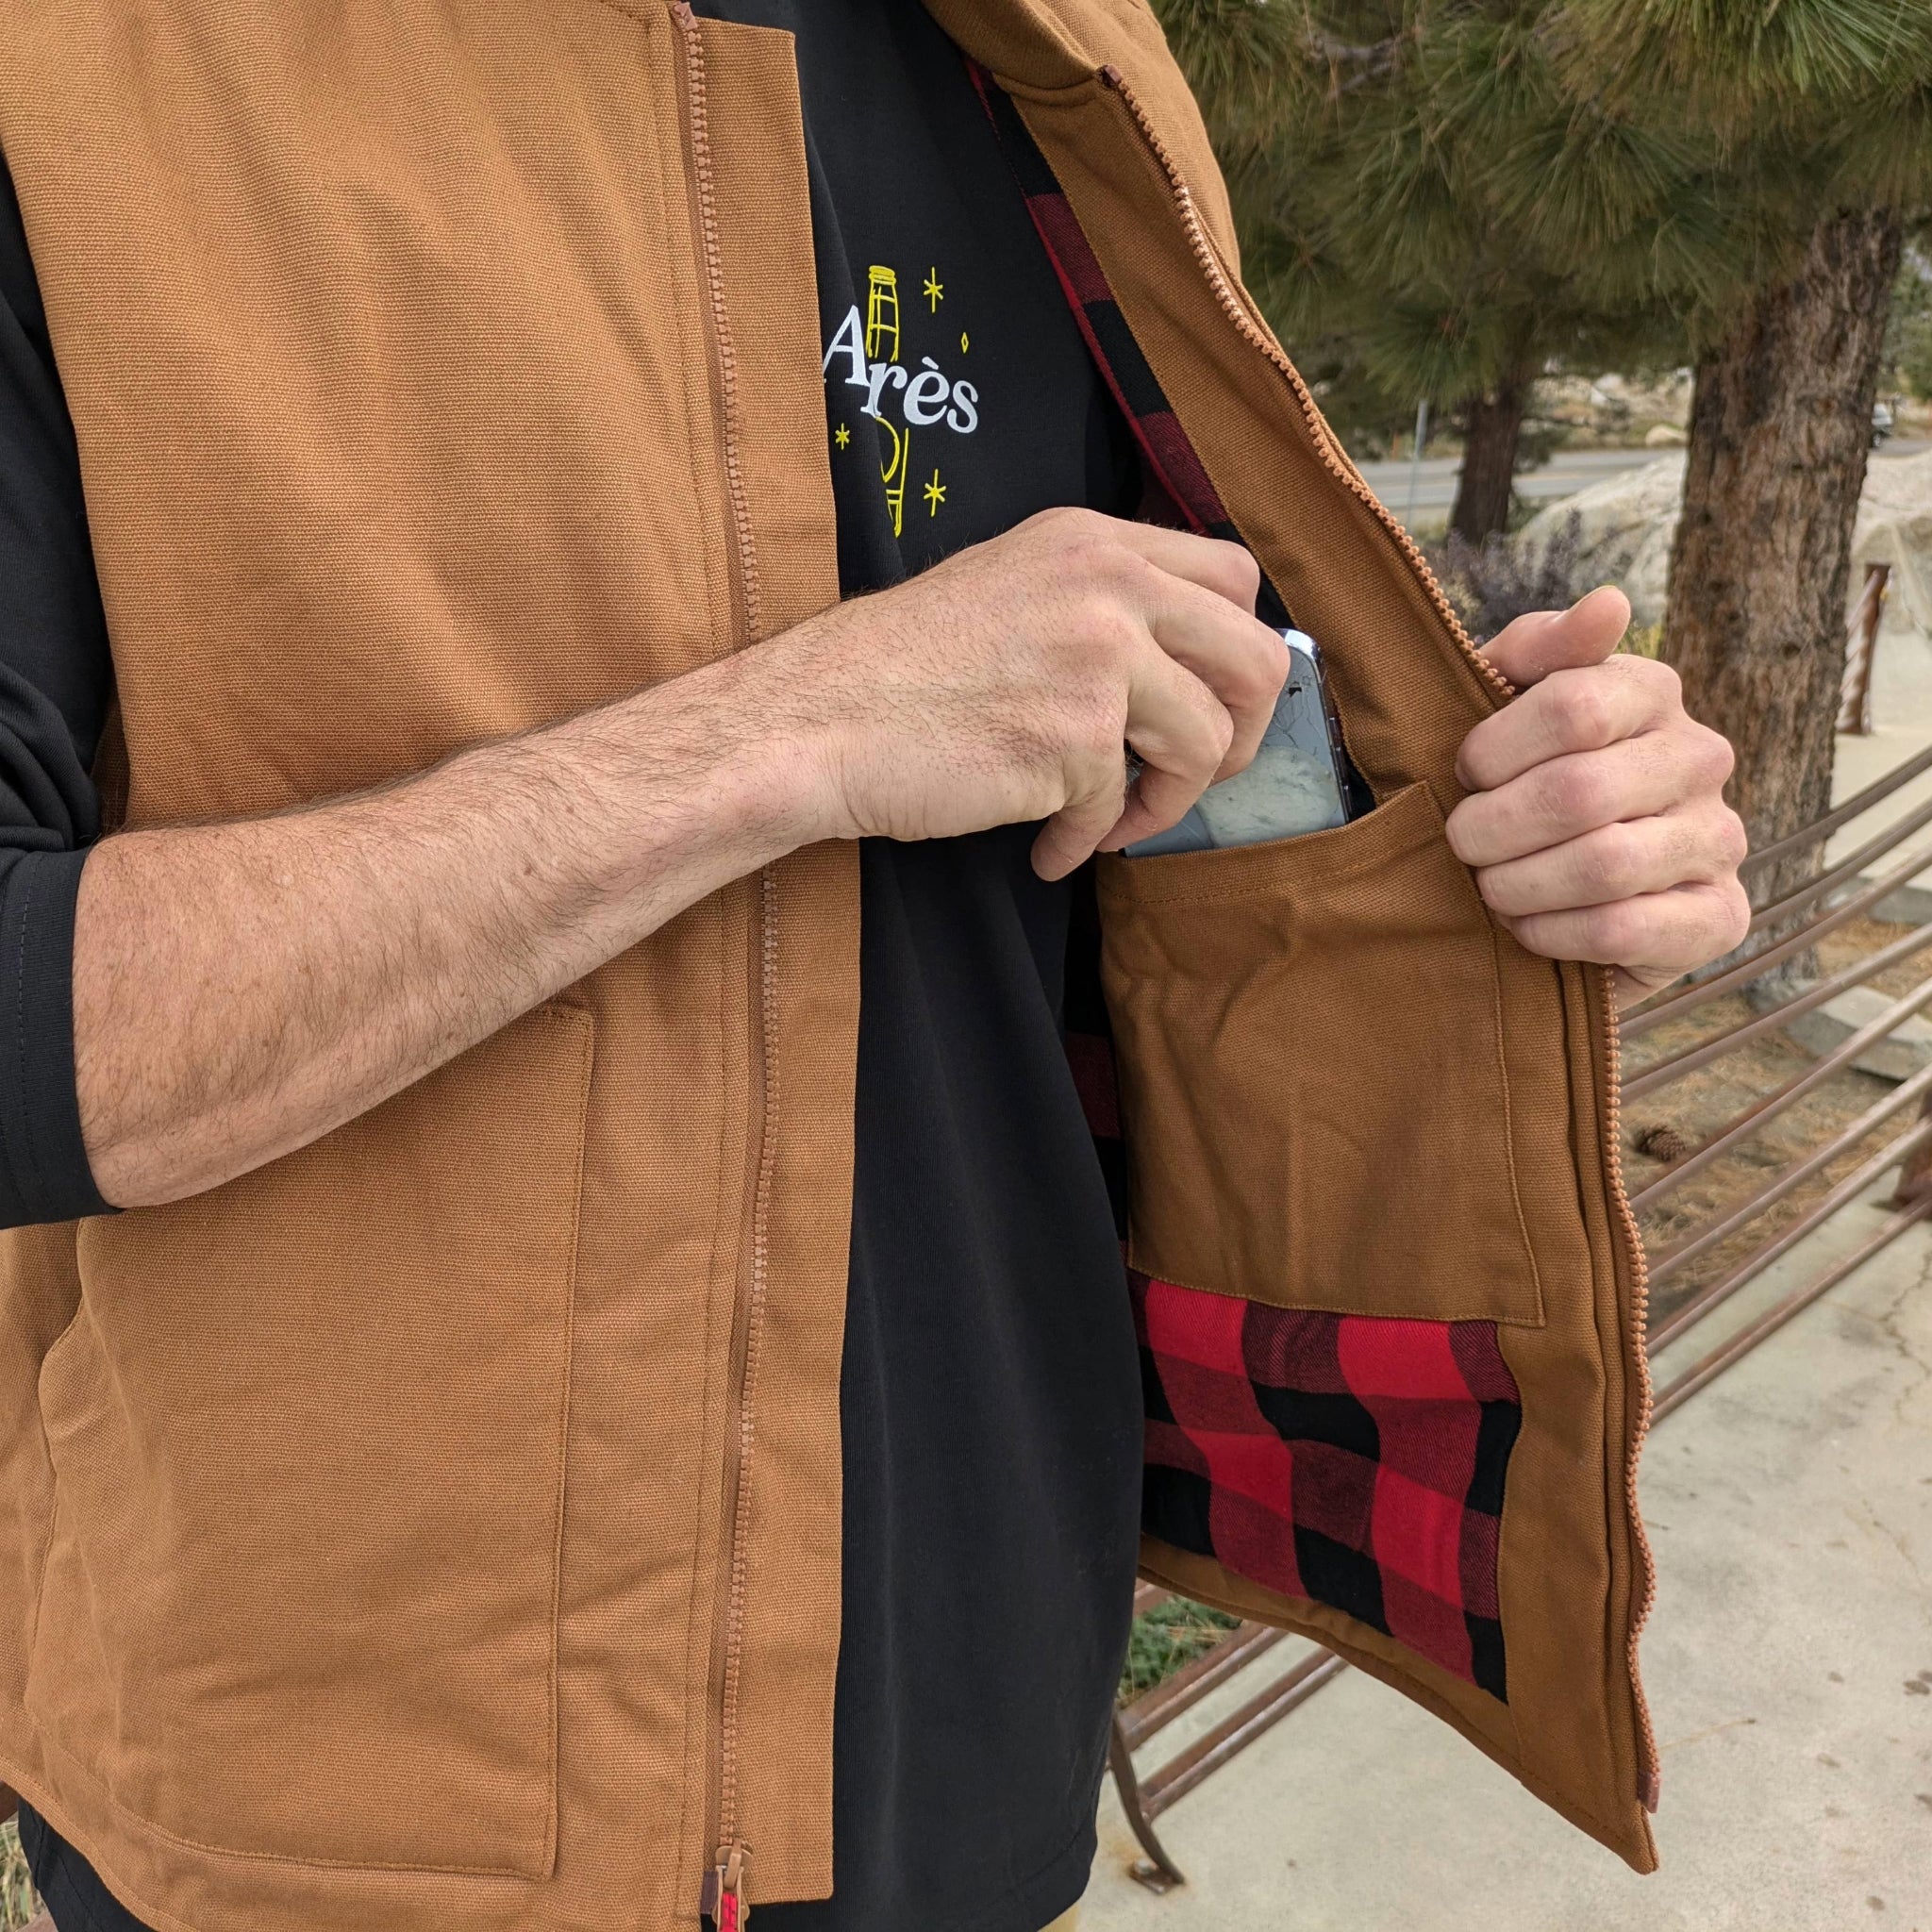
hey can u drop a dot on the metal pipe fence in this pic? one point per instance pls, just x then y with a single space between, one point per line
1838 896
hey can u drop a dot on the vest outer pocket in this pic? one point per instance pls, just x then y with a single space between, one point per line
309 1502
1308 1035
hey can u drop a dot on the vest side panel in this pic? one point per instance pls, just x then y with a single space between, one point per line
383 337
40 1292
385 357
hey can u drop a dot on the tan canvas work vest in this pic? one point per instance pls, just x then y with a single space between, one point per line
440 1526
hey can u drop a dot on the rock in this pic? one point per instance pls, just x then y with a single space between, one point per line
1900 1055
1664 435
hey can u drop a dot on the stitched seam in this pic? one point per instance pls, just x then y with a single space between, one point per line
1510 1755
697 1637
584 1025
582 1022
308 1863
1140 1264
36 1795
711 242
740 1529
1207 893
1510 1122
33 1642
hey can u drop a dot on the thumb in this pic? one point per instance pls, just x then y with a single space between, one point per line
1527 651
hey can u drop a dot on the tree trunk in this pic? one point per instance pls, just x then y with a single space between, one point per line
1492 428
1780 431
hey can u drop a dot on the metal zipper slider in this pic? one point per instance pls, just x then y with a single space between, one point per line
723 1902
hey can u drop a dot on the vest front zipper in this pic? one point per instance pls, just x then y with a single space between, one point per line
1333 457
1637 1370
1607 1057
726 1894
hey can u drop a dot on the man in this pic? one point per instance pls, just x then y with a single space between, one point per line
612 1391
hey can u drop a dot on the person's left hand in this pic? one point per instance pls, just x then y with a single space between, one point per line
1596 822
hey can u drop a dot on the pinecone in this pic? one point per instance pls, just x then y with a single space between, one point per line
1662 1142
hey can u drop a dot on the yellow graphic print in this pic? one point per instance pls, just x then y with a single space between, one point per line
869 364
881 314
882 334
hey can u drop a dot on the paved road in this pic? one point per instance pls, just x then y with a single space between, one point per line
1564 475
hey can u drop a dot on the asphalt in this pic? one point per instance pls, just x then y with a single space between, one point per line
1423 493
1434 479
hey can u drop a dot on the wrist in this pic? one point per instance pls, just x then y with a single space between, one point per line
756 748
783 761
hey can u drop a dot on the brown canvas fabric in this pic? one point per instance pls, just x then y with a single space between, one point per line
367 1525
1277 985
1574 1570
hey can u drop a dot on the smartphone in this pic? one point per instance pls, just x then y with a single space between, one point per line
1297 782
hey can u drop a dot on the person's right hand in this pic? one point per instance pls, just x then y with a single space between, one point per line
1006 684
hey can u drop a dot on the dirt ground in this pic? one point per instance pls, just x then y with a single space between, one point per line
1697 1107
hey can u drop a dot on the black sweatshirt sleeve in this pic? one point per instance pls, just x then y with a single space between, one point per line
57 683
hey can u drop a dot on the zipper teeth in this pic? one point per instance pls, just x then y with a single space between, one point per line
736 487
732 1905
1335 459
747 1426
1639 1267
1639 1367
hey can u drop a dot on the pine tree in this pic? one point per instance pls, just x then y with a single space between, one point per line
1364 144
1460 193
1816 119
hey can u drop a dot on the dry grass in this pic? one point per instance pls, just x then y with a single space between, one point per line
17 1901
1165 1638
1863 937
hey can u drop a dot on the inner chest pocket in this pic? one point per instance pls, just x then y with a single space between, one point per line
1313 1091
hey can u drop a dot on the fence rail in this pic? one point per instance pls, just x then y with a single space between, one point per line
1823 906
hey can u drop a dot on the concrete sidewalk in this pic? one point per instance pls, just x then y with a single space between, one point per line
1790 1666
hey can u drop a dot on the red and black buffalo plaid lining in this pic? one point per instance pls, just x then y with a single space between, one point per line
1348 1459
1173 467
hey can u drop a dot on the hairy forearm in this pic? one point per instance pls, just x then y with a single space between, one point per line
242 988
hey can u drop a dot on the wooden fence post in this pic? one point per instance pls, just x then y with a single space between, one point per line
1855 699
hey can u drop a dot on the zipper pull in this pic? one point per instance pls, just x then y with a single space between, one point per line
723 1902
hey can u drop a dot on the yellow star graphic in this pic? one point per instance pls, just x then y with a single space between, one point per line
935 496
841 436
935 290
